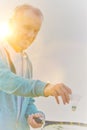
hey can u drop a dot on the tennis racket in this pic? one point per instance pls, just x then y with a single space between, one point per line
63 125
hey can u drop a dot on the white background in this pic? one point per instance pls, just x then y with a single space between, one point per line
59 52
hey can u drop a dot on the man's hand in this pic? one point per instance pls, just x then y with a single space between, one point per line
32 120
58 90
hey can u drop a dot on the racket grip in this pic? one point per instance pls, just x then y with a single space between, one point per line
38 120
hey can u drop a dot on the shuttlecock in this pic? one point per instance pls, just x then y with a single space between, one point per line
75 98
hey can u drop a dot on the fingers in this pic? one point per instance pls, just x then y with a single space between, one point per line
63 91
68 89
56 97
64 97
32 122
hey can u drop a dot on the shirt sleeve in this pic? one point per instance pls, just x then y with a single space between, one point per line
32 109
17 85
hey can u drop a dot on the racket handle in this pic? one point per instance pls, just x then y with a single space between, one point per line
38 120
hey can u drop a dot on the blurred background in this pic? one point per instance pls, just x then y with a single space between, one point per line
59 53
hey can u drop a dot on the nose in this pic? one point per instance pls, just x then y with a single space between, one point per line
30 35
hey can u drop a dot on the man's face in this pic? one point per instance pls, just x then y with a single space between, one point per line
25 30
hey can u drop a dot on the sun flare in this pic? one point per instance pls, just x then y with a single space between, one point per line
4 30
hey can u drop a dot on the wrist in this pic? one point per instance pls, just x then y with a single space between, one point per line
47 90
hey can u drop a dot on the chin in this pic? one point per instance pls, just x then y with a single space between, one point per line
18 49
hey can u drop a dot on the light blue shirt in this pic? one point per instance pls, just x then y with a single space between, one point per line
13 87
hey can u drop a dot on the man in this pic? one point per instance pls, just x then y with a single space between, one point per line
17 89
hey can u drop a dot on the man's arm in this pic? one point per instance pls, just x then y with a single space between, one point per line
34 117
17 85
31 108
13 84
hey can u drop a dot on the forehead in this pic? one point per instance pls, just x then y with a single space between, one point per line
29 18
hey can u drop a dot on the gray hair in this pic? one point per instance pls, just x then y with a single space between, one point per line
22 8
